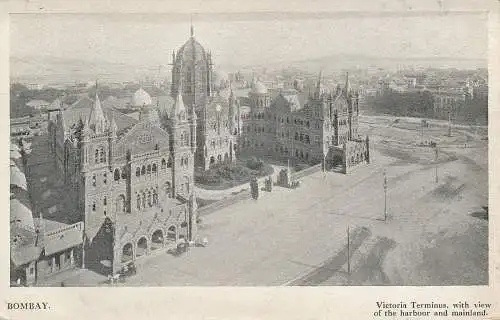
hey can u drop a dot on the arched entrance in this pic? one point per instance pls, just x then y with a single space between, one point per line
142 247
157 240
172 234
99 253
127 252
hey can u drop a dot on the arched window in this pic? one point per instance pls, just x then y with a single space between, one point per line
182 139
93 206
94 181
149 169
124 174
154 167
167 189
186 138
155 198
105 180
169 163
117 175
105 201
138 202
143 170
144 200
102 154
96 155
120 203
150 203
138 171
163 164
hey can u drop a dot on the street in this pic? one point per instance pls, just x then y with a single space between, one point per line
298 237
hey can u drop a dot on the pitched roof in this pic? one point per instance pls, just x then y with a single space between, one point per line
81 110
17 177
21 214
164 104
22 245
63 240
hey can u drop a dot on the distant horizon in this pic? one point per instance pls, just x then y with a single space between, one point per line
146 41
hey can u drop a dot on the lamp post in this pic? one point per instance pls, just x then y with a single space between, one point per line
348 252
436 155
385 196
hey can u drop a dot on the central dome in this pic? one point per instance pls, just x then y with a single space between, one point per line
141 98
191 50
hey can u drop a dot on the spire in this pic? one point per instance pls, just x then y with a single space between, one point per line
113 126
319 84
192 28
97 120
179 104
347 84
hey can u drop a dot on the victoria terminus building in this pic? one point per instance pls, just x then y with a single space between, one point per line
130 180
324 129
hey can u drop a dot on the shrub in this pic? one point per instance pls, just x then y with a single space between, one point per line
255 164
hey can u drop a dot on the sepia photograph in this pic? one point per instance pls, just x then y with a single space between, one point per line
251 149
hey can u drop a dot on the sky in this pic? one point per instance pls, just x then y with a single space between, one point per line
246 39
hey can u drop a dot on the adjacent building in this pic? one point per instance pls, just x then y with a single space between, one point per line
322 128
131 179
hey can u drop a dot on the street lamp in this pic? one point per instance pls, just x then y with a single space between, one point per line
348 252
436 155
385 196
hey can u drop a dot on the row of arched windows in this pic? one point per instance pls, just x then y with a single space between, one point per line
149 169
117 174
302 137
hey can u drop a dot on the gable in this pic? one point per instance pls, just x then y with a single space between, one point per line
141 138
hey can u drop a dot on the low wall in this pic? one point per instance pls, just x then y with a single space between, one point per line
308 171
243 195
218 205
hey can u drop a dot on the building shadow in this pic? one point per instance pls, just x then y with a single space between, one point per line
483 215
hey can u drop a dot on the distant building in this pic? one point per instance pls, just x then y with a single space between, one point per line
38 104
20 126
34 86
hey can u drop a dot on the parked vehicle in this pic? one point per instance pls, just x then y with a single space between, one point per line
179 249
128 270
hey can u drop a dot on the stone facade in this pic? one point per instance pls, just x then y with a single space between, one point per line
132 180
282 127
194 78
311 132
